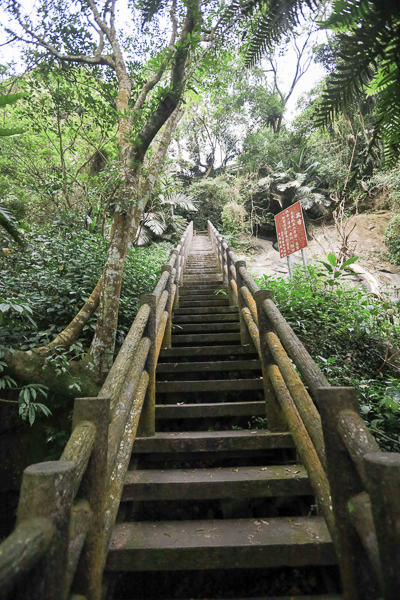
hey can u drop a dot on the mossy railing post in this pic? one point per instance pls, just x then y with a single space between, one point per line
358 579
147 423
166 343
94 485
219 252
245 336
47 491
231 267
225 272
383 475
275 418
176 267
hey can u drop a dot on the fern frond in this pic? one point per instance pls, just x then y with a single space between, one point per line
370 60
272 20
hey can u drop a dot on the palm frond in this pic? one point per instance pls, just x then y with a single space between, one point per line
155 222
181 200
144 237
308 198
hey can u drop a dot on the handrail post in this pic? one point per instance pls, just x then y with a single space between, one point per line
245 336
90 567
147 423
225 274
47 491
383 474
232 299
358 579
275 418
181 263
176 267
166 343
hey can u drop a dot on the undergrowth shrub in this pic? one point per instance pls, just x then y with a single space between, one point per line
233 217
353 336
53 277
392 239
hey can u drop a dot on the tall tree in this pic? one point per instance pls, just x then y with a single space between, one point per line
86 32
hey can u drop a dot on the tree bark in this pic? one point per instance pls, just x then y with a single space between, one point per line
33 367
70 334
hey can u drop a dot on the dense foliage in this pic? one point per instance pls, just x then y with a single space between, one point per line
354 338
53 275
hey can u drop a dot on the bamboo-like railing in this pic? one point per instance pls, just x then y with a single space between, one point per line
67 508
357 486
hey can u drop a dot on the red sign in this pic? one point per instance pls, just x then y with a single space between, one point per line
290 230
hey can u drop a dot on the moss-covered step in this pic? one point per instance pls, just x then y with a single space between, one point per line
220 544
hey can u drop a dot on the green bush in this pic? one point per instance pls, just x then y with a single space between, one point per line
392 239
349 333
233 218
210 196
44 285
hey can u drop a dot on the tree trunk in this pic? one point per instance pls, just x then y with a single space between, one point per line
70 334
33 367
101 354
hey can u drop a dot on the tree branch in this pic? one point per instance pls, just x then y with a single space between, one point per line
100 59
149 85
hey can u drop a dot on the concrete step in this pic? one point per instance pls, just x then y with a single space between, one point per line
228 350
201 270
207 367
212 441
204 298
210 291
205 338
216 385
214 301
198 278
220 544
218 318
210 484
217 410
181 328
206 310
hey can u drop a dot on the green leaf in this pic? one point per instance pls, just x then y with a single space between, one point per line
8 99
31 415
327 266
332 259
349 261
11 132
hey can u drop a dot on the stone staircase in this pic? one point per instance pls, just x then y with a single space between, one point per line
207 496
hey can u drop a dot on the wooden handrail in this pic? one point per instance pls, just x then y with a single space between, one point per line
356 485
70 538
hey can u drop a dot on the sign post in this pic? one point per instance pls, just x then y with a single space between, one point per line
291 233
